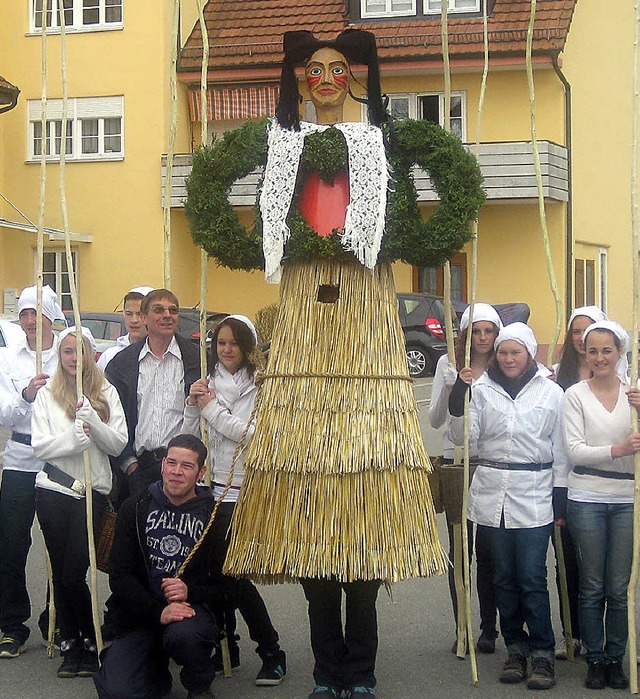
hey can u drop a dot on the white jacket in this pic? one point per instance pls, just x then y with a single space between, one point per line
527 429
225 428
61 441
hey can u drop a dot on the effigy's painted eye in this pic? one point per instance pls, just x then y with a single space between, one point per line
338 70
315 71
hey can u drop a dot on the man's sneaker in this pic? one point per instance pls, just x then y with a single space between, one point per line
10 647
234 657
360 693
207 694
71 659
514 670
274 668
561 650
596 675
543 674
322 691
487 642
616 679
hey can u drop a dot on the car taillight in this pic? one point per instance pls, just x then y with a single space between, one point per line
434 327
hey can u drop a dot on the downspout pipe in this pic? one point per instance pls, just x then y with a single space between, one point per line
569 218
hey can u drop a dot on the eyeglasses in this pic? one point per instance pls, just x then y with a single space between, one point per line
159 310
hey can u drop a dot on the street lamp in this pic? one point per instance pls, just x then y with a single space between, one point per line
8 95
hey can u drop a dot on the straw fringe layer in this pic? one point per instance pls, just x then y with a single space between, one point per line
365 526
337 474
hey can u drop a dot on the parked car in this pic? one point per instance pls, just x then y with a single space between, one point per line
10 332
422 319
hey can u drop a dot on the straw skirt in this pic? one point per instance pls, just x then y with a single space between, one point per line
336 473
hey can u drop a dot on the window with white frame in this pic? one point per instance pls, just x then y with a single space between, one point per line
79 15
56 274
387 8
435 6
431 106
95 129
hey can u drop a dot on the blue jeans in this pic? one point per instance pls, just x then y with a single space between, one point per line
603 535
520 579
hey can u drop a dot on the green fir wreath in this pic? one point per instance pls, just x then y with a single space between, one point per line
454 173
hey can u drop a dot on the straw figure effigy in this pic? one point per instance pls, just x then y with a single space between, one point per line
336 479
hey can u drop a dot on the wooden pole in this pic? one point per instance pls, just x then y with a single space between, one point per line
562 574
473 286
635 252
173 126
93 569
39 281
204 258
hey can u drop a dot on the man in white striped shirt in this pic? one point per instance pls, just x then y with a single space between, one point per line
153 377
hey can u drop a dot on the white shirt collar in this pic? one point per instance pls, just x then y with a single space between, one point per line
173 349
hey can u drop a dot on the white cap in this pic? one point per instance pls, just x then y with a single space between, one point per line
144 290
622 366
519 332
247 322
481 311
85 332
50 306
592 312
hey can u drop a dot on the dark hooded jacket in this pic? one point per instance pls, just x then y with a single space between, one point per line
135 602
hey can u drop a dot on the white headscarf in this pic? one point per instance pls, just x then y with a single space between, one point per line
521 333
481 311
247 322
592 312
85 332
50 306
622 367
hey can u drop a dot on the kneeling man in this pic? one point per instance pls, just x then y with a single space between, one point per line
155 615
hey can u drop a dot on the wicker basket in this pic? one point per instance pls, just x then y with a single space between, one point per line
451 482
105 539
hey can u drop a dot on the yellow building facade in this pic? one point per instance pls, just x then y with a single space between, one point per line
583 110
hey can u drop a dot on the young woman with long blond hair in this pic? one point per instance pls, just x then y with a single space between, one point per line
62 429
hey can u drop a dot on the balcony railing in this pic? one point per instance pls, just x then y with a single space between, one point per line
508 170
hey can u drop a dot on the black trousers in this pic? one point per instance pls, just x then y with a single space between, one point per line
343 658
63 521
573 580
136 664
17 508
484 577
243 595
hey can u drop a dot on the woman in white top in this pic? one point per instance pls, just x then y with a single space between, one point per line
225 400
515 418
62 430
572 368
484 330
600 448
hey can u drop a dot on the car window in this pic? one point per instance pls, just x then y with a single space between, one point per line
113 330
97 328
411 304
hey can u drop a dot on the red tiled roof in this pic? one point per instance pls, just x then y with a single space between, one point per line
249 33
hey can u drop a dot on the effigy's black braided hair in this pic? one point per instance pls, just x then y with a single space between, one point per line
356 45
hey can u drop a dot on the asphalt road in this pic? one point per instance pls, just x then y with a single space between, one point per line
414 660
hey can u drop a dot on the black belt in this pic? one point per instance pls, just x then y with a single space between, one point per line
61 478
516 467
601 473
21 438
